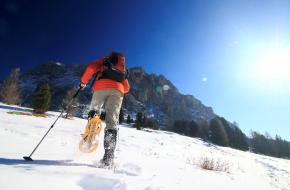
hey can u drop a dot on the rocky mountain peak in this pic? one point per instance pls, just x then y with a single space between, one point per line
152 94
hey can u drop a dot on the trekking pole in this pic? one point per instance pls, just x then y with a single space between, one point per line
28 158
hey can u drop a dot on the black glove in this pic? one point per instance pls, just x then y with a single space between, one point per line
82 86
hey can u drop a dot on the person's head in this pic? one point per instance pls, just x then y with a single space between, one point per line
117 57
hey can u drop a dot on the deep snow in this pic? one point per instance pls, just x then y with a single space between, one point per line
146 160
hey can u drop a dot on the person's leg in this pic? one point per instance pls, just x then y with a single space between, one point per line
98 99
112 106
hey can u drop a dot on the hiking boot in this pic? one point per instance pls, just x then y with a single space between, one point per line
92 114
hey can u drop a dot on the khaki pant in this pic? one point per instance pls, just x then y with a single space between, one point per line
112 101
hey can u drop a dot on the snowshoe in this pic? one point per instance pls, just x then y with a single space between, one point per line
90 138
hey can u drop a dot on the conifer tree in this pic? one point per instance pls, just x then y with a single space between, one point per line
10 93
203 130
129 119
42 99
151 123
138 123
191 129
121 116
139 118
229 131
218 133
241 141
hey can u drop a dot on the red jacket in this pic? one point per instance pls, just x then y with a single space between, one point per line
102 84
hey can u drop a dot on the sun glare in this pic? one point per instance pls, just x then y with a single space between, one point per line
273 66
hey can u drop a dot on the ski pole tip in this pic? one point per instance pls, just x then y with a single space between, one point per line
28 158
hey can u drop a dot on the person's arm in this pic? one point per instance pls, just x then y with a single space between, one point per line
90 70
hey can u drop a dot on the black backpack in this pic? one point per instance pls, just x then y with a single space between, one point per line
110 69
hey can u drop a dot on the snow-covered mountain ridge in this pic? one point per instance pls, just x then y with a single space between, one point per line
146 160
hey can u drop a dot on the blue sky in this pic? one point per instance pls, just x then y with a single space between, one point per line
231 55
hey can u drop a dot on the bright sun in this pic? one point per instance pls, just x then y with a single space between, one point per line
272 66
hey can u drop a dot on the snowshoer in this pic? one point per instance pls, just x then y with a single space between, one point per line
109 86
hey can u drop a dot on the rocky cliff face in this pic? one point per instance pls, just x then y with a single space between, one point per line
150 93
154 95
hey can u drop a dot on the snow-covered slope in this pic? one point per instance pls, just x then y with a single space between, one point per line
146 160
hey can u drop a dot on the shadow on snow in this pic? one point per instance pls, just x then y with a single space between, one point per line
15 108
9 161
